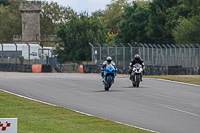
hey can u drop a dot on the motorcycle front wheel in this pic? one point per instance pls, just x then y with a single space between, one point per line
137 80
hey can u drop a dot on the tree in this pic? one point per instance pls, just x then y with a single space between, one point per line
113 12
159 27
75 37
10 17
4 2
51 15
187 31
133 24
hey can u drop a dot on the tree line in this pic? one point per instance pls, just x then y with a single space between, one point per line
156 22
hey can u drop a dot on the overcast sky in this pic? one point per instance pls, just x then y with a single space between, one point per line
84 5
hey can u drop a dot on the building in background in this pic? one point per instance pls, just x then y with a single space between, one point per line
30 11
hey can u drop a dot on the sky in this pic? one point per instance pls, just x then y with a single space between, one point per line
84 5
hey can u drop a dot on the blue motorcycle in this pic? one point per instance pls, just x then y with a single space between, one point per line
109 75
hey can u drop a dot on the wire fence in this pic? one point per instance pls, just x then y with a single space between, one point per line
186 55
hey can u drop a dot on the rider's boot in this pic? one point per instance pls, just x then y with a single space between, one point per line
141 78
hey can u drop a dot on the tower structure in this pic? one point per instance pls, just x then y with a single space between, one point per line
30 11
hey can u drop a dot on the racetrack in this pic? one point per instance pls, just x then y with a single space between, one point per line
158 105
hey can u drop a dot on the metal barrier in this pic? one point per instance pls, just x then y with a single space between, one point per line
186 55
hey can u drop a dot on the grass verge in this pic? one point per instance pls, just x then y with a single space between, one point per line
36 117
192 79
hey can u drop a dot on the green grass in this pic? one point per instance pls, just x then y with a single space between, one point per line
36 117
192 79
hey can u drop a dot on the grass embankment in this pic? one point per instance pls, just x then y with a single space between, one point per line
192 79
35 117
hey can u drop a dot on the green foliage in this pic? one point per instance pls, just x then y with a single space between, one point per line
187 31
76 35
132 26
21 59
112 14
10 17
4 2
159 27
51 15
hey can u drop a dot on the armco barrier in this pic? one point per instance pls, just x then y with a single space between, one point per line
150 70
8 67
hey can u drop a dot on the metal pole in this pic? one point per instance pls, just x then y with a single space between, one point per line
92 52
108 49
175 56
147 54
152 54
184 54
115 53
198 55
16 53
131 50
180 62
29 56
99 50
123 53
156 62
165 55
193 54
161 54
170 54
2 52
190 62
143 50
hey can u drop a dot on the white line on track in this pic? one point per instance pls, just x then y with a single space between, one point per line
179 110
77 111
176 82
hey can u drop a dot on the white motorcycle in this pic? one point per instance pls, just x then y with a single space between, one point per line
136 75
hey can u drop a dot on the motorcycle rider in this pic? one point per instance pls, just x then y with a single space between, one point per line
135 60
105 63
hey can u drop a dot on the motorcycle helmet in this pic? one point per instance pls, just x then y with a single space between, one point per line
137 56
109 59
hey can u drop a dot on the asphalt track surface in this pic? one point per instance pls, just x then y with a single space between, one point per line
157 105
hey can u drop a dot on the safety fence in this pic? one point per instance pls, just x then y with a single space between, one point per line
185 55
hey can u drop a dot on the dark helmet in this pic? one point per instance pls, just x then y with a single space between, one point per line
109 59
137 56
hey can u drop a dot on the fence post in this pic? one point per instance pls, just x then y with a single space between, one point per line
165 55
156 62
29 56
184 53
115 53
92 52
15 53
180 59
123 53
161 54
99 50
190 62
131 50
193 54
152 54
170 54
2 52
147 54
108 49
143 51
175 60
198 55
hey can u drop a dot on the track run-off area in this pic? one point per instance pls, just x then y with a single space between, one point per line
157 105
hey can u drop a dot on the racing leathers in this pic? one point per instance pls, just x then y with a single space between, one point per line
103 67
135 61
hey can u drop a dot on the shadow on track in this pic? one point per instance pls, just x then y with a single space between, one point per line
108 91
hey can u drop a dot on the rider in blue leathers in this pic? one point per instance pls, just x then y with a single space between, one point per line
105 63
